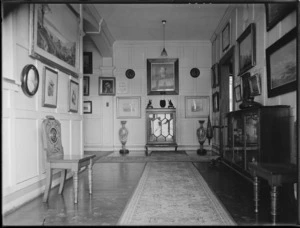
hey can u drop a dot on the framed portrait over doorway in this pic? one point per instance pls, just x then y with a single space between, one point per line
107 86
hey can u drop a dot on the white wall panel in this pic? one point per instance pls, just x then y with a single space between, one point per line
63 93
75 137
92 131
6 151
22 37
26 149
138 58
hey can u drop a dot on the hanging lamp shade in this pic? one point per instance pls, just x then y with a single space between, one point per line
164 52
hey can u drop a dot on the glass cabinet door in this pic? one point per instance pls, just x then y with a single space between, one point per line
161 127
251 124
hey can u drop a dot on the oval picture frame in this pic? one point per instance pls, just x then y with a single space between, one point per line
30 80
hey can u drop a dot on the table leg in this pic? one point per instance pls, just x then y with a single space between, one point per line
90 175
274 196
256 193
146 150
62 180
75 185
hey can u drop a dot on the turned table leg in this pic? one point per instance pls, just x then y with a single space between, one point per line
90 175
256 194
274 196
75 185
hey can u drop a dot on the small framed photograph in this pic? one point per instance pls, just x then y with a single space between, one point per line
282 65
128 107
87 107
87 62
246 49
73 96
162 76
238 94
50 87
226 37
196 106
255 85
107 86
86 85
215 99
275 12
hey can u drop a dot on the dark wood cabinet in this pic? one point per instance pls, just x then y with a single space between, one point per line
160 128
261 134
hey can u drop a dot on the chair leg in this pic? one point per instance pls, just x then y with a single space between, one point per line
75 185
48 183
62 181
90 175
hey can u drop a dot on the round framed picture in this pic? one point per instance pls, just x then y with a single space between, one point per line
30 80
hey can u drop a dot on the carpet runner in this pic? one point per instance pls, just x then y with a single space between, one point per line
173 193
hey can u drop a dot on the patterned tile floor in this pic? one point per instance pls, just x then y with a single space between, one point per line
114 183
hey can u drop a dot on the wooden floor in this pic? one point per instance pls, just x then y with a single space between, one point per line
114 183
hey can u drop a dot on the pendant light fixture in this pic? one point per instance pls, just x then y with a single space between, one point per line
164 52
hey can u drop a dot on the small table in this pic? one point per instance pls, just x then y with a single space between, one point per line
276 174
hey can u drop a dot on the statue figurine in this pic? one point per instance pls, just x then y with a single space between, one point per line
149 105
170 104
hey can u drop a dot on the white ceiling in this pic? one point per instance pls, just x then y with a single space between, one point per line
144 21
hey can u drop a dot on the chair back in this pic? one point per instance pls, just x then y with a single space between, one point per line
51 135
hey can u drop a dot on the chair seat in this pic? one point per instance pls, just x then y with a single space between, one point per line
70 158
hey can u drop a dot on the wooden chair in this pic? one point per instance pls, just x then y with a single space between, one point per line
51 135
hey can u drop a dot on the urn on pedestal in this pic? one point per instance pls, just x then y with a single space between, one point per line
201 134
123 134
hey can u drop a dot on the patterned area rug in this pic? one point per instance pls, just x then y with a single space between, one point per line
173 193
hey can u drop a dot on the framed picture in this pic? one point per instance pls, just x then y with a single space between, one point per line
281 65
215 75
73 96
226 37
87 62
215 98
246 49
87 107
162 76
128 107
255 85
196 106
245 85
86 85
107 86
238 94
50 42
50 87
275 12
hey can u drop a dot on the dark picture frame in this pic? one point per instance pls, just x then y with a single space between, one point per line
226 37
215 75
162 76
245 85
50 88
247 49
73 96
87 107
86 85
281 61
255 85
30 80
87 62
107 86
238 93
275 12
215 100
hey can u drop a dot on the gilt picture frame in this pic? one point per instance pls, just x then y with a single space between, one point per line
129 107
86 85
73 96
162 76
107 86
50 88
247 49
50 42
87 107
196 106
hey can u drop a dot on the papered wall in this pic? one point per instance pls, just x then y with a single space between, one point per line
239 17
23 160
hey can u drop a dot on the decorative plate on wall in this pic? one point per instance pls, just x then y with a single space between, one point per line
130 73
30 80
195 72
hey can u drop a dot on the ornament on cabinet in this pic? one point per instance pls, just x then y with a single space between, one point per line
149 105
170 104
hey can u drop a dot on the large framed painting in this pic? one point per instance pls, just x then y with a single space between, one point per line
50 41
196 106
162 76
281 65
275 12
50 87
107 86
246 49
128 107
73 96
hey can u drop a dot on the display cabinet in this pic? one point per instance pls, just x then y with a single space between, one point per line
259 133
160 128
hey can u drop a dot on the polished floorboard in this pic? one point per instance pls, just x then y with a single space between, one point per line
114 183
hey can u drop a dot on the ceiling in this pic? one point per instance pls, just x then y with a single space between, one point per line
144 21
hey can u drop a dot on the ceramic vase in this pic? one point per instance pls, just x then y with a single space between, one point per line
201 134
123 135
162 103
209 131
